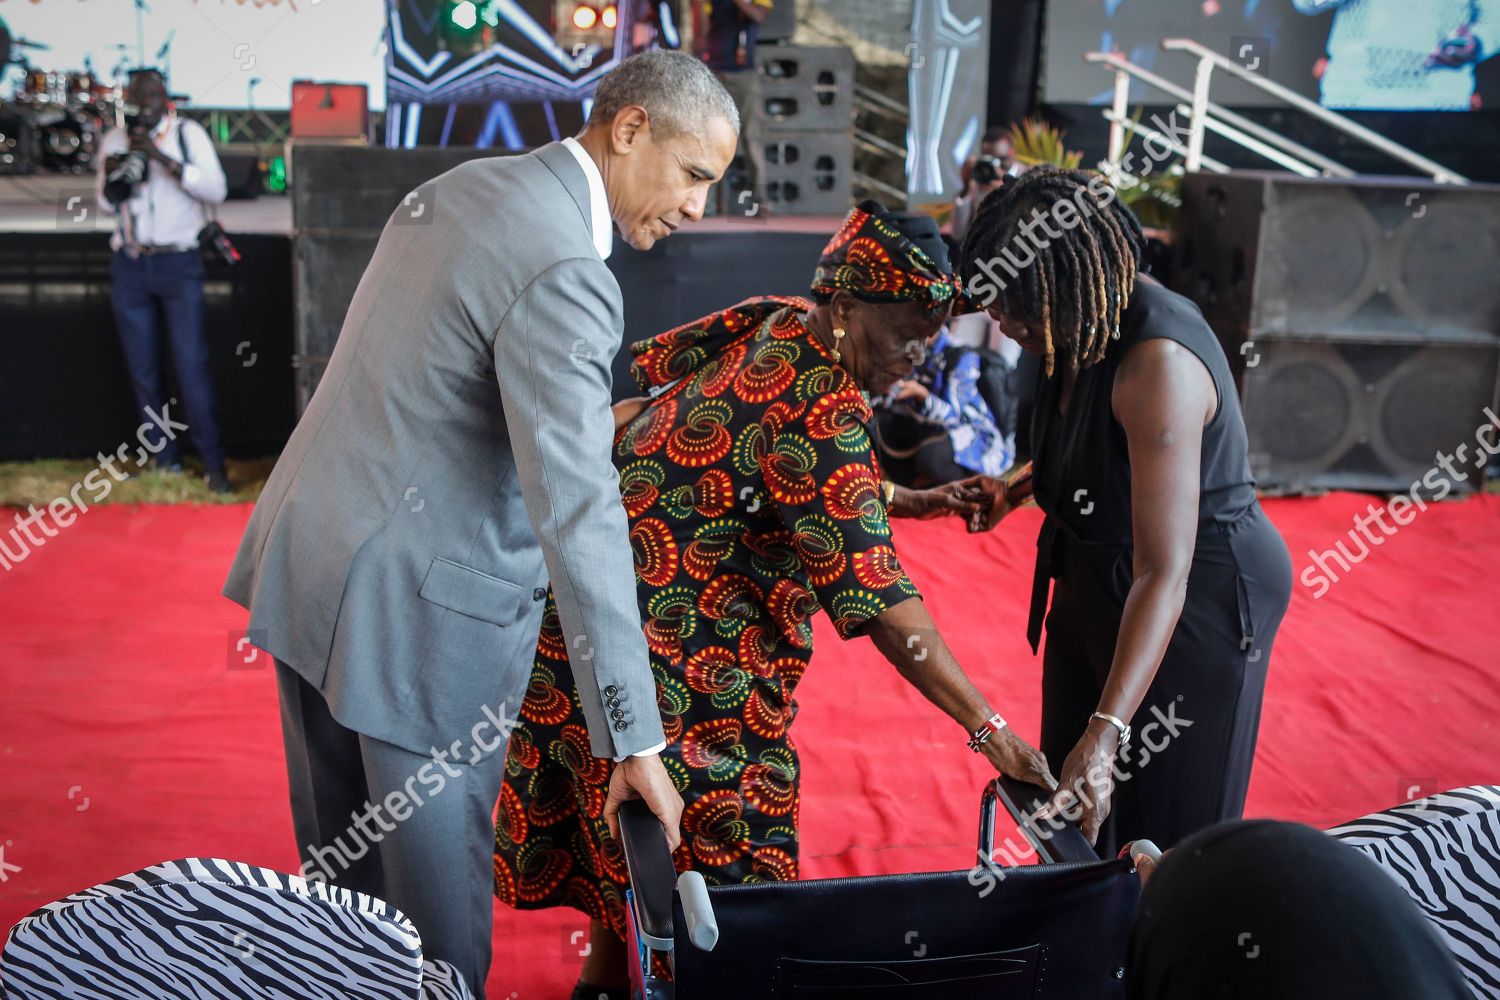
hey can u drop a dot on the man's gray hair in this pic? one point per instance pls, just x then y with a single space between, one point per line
680 94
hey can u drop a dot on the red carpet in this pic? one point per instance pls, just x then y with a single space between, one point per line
127 739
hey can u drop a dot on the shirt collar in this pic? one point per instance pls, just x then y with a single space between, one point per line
600 221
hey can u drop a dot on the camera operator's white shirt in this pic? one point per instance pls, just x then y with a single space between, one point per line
164 211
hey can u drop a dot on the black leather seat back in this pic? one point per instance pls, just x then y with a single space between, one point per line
1048 931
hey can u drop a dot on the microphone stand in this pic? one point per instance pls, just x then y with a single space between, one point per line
140 33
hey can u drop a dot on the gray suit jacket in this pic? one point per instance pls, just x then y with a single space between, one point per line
455 455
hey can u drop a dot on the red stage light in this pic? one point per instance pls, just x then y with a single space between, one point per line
611 16
585 17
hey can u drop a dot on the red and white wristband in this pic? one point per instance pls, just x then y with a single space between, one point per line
982 735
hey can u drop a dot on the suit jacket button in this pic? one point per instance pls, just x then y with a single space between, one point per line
618 713
613 703
539 594
611 691
620 727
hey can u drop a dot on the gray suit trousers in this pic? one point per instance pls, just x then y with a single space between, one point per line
417 831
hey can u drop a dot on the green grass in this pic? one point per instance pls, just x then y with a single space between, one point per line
25 483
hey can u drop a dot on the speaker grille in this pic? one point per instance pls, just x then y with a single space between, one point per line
1411 425
1364 415
1445 265
1324 246
1304 407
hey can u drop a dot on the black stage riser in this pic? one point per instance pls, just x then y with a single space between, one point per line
1362 319
64 392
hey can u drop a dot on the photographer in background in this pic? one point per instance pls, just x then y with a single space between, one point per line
981 174
155 176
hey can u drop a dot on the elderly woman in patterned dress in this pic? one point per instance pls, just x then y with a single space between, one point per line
754 500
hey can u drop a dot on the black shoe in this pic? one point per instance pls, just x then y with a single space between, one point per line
586 991
218 482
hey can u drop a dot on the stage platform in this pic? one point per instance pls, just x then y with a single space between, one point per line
39 203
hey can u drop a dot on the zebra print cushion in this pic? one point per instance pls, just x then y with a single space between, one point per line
441 981
1444 850
202 927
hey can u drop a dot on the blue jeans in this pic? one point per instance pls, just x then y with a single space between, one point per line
143 292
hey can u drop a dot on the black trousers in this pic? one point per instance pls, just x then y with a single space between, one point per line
143 293
1188 764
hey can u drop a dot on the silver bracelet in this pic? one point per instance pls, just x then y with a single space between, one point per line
1121 726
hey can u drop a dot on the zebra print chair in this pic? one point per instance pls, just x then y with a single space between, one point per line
202 927
1444 850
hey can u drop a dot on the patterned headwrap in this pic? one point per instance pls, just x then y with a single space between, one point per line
882 256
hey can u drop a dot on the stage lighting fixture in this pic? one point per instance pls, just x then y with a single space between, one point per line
464 15
585 17
610 17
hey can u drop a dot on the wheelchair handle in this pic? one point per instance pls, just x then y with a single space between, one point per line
1055 842
698 911
649 865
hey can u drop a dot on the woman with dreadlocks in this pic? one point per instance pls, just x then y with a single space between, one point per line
1167 581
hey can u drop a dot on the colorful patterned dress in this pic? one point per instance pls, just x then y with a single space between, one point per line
754 500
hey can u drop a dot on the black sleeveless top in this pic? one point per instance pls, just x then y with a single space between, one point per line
1081 459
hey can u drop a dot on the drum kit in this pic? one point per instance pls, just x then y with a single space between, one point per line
54 119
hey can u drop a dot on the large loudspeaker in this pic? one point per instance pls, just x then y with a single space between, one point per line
803 87
799 107
1362 319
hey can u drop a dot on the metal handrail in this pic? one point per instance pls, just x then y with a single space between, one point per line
1233 134
875 143
882 150
877 103
894 193
1208 60
1124 69
1147 132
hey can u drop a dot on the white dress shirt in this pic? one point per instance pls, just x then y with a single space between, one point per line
604 239
164 211
599 217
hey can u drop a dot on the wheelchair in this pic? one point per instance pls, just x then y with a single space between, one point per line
1057 929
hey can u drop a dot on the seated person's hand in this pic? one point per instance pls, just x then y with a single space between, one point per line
910 390
1145 856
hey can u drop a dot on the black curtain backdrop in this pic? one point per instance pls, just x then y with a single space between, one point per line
1015 59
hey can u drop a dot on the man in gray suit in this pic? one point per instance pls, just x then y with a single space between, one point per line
455 457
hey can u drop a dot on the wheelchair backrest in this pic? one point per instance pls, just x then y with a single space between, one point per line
1045 931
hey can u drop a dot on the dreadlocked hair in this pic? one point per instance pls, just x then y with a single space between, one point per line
1076 285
